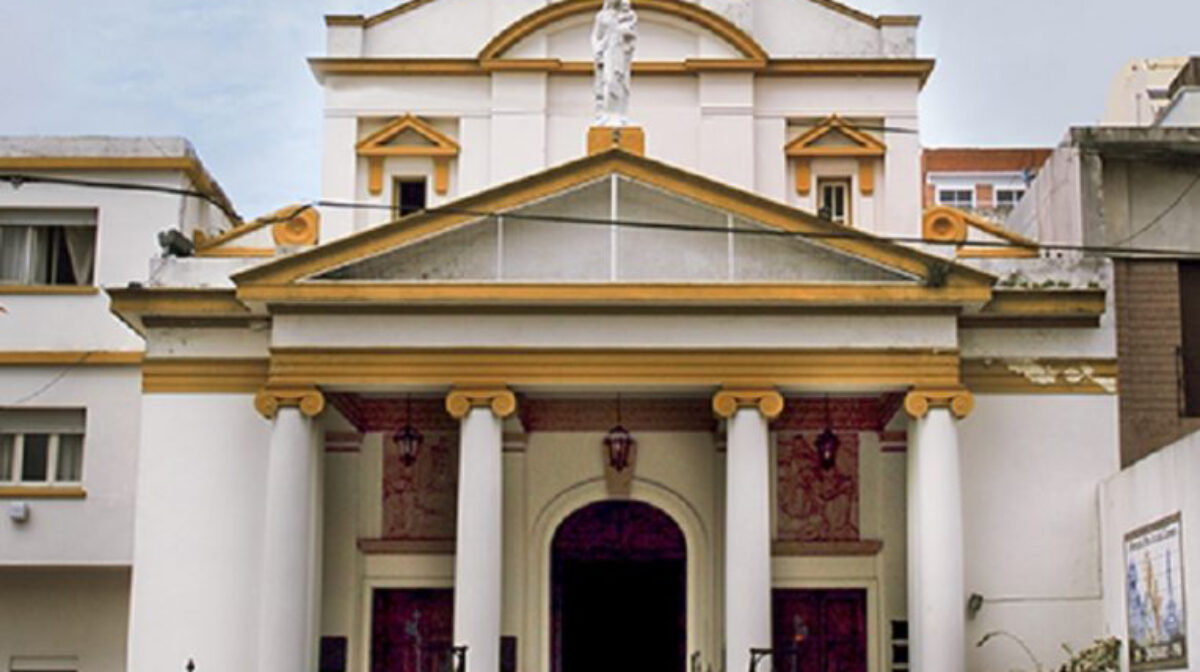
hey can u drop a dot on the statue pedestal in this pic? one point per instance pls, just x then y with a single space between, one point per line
631 139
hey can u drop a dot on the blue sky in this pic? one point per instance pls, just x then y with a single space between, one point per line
230 75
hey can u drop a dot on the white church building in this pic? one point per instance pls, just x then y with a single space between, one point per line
706 392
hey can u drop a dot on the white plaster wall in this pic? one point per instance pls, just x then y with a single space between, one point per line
126 225
1155 487
648 331
76 613
1032 525
244 342
96 530
198 533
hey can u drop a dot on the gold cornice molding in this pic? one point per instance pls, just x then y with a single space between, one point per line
71 358
768 401
309 400
461 400
59 290
692 368
616 293
959 400
919 69
204 375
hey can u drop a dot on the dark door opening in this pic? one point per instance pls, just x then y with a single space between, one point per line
619 577
825 630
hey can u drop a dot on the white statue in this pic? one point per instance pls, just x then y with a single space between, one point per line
614 38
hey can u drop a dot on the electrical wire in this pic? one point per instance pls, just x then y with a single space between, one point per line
1162 215
19 179
52 382
849 234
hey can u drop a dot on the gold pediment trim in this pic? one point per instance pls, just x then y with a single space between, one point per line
864 144
375 147
295 268
558 11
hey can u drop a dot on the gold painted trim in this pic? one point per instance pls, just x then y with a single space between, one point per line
376 149
803 145
71 358
42 492
1010 304
949 225
1040 375
533 188
489 367
204 376
58 290
767 401
958 399
500 400
134 304
236 252
919 69
270 399
558 11
618 294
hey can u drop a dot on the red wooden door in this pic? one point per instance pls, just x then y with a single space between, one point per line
411 630
826 630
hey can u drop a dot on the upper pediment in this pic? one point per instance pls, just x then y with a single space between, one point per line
614 220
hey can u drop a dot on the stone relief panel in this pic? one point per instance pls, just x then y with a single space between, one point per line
813 503
419 500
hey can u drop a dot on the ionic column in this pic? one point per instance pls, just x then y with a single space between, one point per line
285 604
478 554
936 600
747 521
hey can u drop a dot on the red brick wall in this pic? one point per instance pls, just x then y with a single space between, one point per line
1149 332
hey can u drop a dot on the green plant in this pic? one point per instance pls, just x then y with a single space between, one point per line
1104 655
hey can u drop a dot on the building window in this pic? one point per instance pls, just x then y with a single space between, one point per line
957 198
408 195
1189 316
41 447
833 199
1008 198
47 247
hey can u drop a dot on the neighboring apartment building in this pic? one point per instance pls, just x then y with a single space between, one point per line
70 384
1131 192
984 181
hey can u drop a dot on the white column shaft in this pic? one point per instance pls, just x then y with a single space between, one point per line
478 551
747 540
283 644
936 601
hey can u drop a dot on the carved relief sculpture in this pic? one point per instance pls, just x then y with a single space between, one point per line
816 504
614 39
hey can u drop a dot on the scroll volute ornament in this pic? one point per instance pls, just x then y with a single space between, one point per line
500 399
959 400
309 400
768 402
297 225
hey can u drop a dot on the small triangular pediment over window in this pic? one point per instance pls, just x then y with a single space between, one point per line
834 136
407 136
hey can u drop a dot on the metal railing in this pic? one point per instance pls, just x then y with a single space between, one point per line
780 656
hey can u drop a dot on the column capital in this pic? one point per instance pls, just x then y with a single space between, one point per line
767 400
269 400
959 400
461 400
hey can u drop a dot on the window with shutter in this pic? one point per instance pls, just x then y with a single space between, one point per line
1189 312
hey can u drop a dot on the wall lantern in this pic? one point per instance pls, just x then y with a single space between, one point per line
827 442
407 439
619 444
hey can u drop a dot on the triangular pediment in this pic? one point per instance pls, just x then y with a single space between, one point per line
835 136
558 226
408 135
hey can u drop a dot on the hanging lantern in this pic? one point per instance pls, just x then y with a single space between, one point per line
827 442
619 444
407 439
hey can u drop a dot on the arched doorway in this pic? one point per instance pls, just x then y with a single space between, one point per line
619 590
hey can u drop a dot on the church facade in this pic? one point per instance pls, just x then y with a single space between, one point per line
707 391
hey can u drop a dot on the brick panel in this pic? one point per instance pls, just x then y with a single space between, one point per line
1149 333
